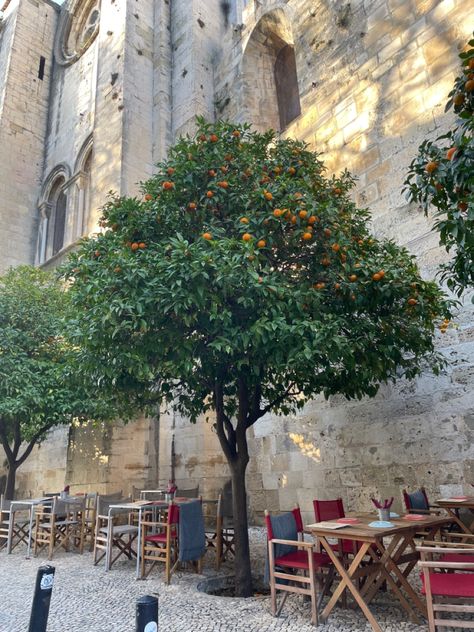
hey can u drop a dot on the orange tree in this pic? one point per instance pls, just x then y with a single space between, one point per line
245 283
442 176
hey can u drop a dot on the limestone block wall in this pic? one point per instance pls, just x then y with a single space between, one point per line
26 37
373 77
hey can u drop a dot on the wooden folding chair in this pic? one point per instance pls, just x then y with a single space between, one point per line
109 533
288 556
448 582
159 542
60 525
12 525
225 540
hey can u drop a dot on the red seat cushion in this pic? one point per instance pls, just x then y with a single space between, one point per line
299 559
159 537
451 584
458 558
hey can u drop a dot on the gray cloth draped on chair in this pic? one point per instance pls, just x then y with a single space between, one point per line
284 528
192 538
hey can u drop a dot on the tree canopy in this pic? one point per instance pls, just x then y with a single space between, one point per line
243 282
38 383
442 177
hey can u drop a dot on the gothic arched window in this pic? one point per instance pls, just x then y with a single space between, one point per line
270 90
57 219
286 83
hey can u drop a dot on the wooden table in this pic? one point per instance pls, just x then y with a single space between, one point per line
377 561
453 505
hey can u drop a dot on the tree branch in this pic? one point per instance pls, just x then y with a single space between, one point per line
5 443
223 424
263 411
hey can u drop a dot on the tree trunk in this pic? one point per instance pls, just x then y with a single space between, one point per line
10 486
243 571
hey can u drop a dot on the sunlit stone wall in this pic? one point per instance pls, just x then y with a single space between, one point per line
374 78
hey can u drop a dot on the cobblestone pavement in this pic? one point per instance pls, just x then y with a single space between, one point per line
87 599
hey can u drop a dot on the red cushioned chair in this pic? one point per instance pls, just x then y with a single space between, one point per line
300 568
159 542
447 582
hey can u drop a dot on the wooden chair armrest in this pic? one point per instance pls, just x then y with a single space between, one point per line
447 565
438 544
297 543
146 523
461 536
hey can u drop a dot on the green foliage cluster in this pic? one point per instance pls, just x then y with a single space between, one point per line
38 386
246 281
442 176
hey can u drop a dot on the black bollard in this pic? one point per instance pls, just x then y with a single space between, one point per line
147 614
42 599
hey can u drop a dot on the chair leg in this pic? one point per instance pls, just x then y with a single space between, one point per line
52 536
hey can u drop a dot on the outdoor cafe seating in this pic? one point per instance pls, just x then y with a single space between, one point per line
114 536
60 525
13 524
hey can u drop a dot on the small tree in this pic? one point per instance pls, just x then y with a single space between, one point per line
246 283
38 389
442 176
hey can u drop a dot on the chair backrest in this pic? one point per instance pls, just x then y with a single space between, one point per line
4 503
112 496
104 503
188 493
285 526
135 493
173 514
416 500
328 509
64 506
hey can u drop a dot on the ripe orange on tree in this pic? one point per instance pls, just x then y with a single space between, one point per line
142 245
167 185
312 220
353 277
211 173
376 276
412 301
278 212
213 138
244 220
327 232
431 166
450 153
303 214
459 99
246 237
134 246
192 206
170 171
148 197
469 87
261 243
336 247
207 236
307 236
236 133
267 195
210 194
291 171
224 184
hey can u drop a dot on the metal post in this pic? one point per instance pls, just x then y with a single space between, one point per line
42 599
147 614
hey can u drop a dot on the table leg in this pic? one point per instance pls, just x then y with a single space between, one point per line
459 522
30 532
137 572
346 582
389 559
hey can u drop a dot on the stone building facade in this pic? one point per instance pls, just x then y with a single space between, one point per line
91 95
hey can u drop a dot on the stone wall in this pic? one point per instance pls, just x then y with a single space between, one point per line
373 77
26 36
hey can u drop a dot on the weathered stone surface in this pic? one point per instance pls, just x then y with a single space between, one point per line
372 84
